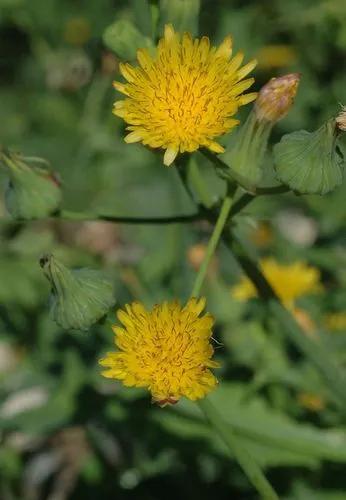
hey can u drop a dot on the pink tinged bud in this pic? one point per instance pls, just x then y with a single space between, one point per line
275 99
341 119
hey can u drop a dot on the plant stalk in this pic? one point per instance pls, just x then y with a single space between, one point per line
212 244
249 466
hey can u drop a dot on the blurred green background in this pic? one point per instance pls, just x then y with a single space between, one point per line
65 432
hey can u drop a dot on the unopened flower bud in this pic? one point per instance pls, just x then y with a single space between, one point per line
275 99
123 38
310 162
33 191
341 119
80 297
246 157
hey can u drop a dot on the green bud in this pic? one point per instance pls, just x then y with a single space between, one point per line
142 11
79 297
246 158
310 162
33 191
182 14
123 38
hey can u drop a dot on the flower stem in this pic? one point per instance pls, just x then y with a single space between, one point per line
84 216
249 466
212 244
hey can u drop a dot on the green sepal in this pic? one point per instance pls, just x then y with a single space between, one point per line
123 38
246 158
310 162
79 297
33 191
142 14
182 14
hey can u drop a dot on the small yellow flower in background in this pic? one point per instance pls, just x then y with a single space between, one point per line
336 321
289 281
184 96
167 350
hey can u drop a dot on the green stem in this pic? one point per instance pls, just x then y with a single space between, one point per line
78 216
221 165
212 244
249 466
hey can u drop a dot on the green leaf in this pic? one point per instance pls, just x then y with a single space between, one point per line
80 297
277 438
309 162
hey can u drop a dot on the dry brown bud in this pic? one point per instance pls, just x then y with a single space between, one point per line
275 99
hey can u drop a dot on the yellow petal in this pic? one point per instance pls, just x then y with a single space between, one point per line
144 59
246 98
169 156
215 147
169 33
245 70
225 49
120 87
133 137
235 62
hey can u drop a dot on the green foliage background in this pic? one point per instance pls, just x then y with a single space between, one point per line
64 430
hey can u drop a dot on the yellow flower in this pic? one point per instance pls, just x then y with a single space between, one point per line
289 281
167 350
184 96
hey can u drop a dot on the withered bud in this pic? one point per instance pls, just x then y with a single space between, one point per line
341 119
275 99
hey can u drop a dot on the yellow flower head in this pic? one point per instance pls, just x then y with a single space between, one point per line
289 281
167 350
184 96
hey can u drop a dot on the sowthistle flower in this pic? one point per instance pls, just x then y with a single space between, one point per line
289 281
184 96
166 350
